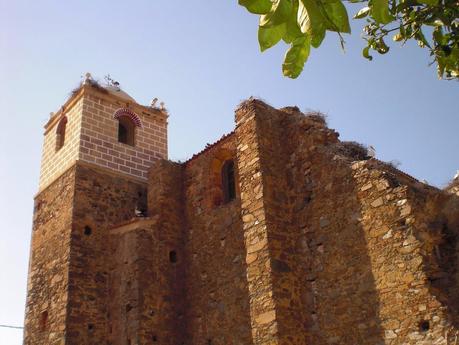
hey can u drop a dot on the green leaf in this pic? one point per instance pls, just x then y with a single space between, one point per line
311 21
296 57
337 14
438 36
428 2
380 11
303 19
381 46
362 13
279 13
317 39
293 30
366 53
256 6
269 37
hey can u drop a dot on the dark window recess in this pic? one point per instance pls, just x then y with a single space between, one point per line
90 327
154 338
126 131
173 256
87 230
228 181
44 320
209 341
60 133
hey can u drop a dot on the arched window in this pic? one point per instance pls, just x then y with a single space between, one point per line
228 181
126 130
60 133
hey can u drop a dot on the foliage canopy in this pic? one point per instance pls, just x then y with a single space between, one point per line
304 23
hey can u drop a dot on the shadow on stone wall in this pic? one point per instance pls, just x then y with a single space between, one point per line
217 290
312 199
441 260
339 288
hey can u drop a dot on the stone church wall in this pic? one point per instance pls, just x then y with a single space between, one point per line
102 200
217 292
321 245
162 278
340 251
46 306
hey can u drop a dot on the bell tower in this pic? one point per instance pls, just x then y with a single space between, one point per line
104 126
97 150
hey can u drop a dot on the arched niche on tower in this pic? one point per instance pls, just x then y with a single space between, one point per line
127 123
60 133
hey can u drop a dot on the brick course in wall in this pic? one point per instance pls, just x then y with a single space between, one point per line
99 138
321 245
54 163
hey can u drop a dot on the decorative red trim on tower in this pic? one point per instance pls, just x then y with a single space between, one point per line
129 113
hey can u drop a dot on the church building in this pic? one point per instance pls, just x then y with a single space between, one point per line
277 234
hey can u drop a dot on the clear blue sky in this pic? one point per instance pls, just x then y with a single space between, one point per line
201 58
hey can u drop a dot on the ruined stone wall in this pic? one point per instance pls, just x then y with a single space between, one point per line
372 232
125 264
102 200
333 268
264 326
272 198
146 289
47 291
340 251
163 277
217 292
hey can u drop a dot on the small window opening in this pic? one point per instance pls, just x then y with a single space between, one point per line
424 326
126 130
154 338
173 256
60 133
90 327
228 181
209 341
44 320
87 230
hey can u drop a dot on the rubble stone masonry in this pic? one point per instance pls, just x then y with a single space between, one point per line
321 245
